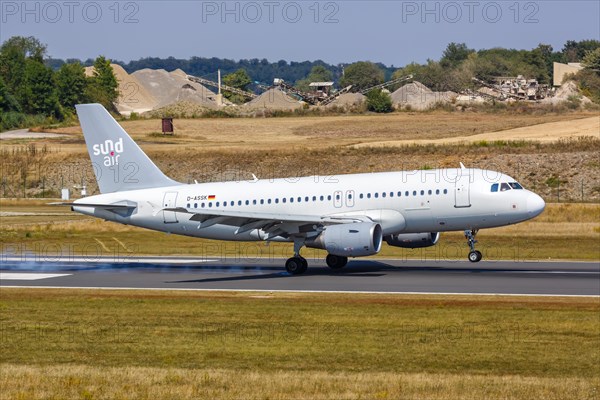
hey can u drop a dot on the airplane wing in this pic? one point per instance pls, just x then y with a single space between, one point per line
273 224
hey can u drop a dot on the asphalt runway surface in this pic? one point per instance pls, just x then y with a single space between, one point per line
360 275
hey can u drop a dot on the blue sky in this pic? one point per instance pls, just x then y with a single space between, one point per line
392 32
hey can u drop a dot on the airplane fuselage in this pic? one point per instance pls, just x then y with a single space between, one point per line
401 202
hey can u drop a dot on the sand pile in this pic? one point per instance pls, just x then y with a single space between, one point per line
419 97
564 92
133 95
348 100
273 99
172 87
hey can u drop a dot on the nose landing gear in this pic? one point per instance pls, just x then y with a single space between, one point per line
474 255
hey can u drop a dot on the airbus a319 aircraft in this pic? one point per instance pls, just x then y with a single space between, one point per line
346 215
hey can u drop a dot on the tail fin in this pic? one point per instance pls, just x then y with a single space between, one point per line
118 162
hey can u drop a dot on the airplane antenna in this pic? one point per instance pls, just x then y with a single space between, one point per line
462 166
255 179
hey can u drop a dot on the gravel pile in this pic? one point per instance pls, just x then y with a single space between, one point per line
133 96
172 87
273 99
417 96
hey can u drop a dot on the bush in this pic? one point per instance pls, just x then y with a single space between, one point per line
16 120
379 102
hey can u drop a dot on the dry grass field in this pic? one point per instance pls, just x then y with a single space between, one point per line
74 344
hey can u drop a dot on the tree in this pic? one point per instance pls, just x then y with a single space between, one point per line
103 86
13 55
239 80
71 83
7 101
38 95
591 60
455 54
318 73
362 75
379 101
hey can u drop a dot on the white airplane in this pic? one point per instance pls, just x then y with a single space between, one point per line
346 215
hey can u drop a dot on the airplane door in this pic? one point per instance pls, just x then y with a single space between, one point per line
462 195
337 199
169 201
350 198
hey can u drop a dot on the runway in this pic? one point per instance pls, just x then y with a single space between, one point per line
373 276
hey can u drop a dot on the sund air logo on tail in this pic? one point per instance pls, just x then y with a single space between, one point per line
111 150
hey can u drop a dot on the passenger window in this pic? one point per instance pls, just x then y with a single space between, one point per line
276 201
494 188
231 204
202 205
329 197
422 192
247 202
262 201
321 198
314 198
414 192
391 194
269 201
383 194
188 206
445 191
504 187
239 202
254 202
361 195
209 205
224 204
284 200
430 192
368 195
437 191
299 199
376 195
406 193
217 204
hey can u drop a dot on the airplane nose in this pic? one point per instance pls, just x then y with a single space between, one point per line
535 205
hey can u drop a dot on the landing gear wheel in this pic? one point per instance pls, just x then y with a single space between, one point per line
336 262
296 265
475 256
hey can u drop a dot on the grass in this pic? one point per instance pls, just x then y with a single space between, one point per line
563 231
140 344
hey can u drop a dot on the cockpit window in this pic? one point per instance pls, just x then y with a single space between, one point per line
504 187
494 187
515 185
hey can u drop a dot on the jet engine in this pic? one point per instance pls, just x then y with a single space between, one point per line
349 240
413 240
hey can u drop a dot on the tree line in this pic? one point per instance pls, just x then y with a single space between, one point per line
31 92
35 88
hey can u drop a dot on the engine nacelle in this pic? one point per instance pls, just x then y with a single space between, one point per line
413 240
349 240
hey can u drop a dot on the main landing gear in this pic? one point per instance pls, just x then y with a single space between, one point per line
297 265
474 255
336 262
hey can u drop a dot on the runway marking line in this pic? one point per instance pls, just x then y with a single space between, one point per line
17 276
303 291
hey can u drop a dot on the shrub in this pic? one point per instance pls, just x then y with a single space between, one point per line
379 102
